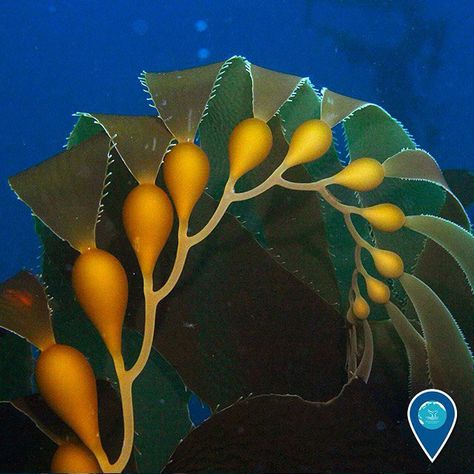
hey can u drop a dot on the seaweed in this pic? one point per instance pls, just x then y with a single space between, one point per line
286 301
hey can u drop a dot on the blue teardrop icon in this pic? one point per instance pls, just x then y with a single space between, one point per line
432 415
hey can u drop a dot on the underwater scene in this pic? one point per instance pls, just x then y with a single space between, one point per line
237 236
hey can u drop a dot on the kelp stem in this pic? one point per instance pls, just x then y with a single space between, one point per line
224 203
273 180
127 377
229 196
125 384
150 310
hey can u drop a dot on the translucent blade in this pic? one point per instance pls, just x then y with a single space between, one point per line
65 191
181 97
24 310
141 142
270 90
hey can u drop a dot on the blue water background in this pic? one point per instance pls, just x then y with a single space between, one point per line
415 58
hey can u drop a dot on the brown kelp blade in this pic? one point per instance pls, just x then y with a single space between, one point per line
65 191
271 90
24 309
284 433
141 141
181 97
35 408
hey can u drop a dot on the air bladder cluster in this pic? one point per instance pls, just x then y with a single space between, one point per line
170 142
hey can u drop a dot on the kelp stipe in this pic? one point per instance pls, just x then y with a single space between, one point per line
342 248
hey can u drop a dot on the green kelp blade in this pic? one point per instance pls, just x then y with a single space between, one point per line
442 273
24 310
450 361
420 165
180 97
303 105
336 107
65 191
453 238
287 224
141 142
415 348
371 132
461 183
290 224
231 103
83 129
271 89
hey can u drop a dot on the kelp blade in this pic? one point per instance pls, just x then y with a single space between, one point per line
414 346
65 191
24 310
453 238
450 361
141 142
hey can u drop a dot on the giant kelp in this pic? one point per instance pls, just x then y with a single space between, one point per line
267 319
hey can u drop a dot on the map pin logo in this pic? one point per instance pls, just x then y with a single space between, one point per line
432 415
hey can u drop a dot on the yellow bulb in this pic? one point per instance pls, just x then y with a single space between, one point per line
186 172
360 308
74 458
385 217
249 144
101 287
388 264
67 383
364 174
378 291
148 219
310 141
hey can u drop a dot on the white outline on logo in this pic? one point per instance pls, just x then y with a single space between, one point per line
430 390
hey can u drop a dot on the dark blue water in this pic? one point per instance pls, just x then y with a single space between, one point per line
412 57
